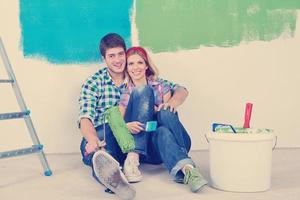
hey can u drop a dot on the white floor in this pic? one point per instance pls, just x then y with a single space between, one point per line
22 178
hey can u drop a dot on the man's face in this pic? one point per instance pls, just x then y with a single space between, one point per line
115 60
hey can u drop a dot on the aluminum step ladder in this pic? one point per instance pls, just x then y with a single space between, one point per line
37 147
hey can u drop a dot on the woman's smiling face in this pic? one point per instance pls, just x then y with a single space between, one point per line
136 67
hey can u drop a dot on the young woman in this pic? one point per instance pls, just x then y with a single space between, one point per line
141 102
143 76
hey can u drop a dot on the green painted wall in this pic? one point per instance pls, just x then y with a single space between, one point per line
169 25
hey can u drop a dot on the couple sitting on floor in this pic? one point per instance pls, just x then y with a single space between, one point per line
131 81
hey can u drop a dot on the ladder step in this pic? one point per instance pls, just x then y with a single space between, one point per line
6 81
20 152
14 115
24 114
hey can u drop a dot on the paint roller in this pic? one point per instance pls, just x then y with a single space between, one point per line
120 131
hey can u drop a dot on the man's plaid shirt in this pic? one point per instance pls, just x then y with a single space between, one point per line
99 93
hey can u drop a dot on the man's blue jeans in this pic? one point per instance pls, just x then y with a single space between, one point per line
111 147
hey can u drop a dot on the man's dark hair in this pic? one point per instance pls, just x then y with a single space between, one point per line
111 40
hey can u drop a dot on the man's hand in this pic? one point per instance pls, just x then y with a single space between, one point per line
93 146
90 134
135 127
175 101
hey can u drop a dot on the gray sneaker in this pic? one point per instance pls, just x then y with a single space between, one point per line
107 169
194 180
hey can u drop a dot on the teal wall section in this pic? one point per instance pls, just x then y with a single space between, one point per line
68 31
169 25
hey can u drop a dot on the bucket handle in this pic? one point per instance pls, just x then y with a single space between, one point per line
206 138
275 143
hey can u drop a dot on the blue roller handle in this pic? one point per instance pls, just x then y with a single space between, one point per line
215 125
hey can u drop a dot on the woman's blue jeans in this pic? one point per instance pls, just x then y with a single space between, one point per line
169 144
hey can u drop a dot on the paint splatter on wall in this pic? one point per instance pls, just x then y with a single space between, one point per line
169 25
68 31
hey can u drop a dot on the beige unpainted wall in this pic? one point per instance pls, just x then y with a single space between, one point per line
220 82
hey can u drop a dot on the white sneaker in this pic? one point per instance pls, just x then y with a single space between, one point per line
131 170
107 169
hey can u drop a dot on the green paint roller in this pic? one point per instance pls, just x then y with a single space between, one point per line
119 129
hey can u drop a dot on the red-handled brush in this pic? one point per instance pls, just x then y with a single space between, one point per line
247 118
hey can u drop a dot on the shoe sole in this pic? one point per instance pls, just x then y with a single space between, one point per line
108 171
134 179
200 186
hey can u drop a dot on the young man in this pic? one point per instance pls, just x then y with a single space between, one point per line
100 92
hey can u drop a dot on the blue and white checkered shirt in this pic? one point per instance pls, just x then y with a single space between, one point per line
99 93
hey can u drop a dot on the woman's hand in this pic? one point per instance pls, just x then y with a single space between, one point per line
135 127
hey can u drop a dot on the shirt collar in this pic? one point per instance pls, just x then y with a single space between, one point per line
108 80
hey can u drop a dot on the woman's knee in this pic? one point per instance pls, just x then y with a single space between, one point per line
167 115
163 133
